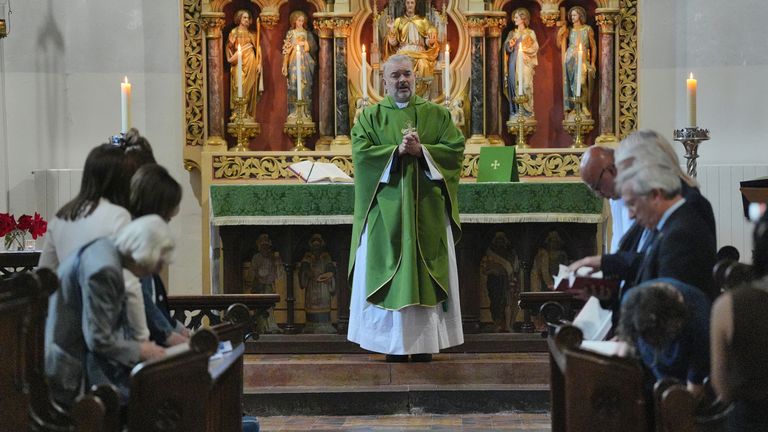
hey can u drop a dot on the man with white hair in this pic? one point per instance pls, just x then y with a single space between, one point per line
86 340
408 156
681 245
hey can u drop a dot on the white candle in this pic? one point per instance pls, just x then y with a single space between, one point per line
578 72
364 77
125 106
239 71
300 49
519 69
691 83
447 71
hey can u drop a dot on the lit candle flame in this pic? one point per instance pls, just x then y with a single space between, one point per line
125 80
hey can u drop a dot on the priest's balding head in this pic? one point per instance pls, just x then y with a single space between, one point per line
599 172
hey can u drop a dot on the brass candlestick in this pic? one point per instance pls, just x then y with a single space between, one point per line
520 100
580 125
239 125
691 137
521 125
299 126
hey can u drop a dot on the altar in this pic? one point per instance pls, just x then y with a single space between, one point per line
267 233
268 84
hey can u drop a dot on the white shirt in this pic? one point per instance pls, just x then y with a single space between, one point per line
67 237
621 222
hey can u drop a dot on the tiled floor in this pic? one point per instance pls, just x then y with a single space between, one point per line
395 423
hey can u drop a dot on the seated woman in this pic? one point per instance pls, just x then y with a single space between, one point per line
739 335
85 335
668 323
154 191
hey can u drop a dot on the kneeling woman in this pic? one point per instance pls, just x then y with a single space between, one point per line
86 339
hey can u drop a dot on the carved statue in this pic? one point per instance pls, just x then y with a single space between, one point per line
416 37
317 277
265 275
569 40
499 268
520 42
547 262
253 81
299 42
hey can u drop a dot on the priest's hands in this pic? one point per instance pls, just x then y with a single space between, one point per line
411 145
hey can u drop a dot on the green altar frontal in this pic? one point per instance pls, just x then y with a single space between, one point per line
329 204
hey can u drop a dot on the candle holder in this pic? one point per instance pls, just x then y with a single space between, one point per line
521 125
243 127
299 125
580 125
691 137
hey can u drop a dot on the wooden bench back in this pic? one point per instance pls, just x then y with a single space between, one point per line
593 392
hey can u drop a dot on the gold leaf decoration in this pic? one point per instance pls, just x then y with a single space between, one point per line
193 74
627 69
268 167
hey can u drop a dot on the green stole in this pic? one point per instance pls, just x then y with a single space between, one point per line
407 256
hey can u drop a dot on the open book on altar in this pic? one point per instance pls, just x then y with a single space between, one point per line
320 172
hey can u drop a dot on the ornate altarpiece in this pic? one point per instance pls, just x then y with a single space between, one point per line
341 28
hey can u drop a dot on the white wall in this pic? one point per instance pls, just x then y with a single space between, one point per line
725 49
63 61
63 64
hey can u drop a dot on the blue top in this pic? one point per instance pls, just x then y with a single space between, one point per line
687 357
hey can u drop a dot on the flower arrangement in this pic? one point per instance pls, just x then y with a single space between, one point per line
15 233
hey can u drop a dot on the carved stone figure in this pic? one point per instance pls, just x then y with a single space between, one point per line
265 275
416 37
299 42
317 277
521 52
499 268
253 81
569 40
547 262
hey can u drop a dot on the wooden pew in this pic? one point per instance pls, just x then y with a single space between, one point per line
593 392
193 310
678 410
17 298
25 401
225 400
188 390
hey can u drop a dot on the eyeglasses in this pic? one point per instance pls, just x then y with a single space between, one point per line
596 186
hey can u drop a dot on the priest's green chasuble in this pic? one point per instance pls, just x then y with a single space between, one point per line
407 256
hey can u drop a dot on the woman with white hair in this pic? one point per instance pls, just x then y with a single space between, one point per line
86 340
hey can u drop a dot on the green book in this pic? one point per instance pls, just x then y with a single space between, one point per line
497 164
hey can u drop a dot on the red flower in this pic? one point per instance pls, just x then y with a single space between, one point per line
25 223
38 226
7 224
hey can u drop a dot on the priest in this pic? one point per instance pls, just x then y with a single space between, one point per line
408 156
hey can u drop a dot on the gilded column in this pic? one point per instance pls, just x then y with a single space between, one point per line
494 24
324 28
606 21
341 30
212 24
476 26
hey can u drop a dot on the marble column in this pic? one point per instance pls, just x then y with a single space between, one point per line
324 28
493 77
340 33
476 90
606 21
212 24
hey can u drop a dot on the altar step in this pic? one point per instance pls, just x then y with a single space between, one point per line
336 343
364 384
